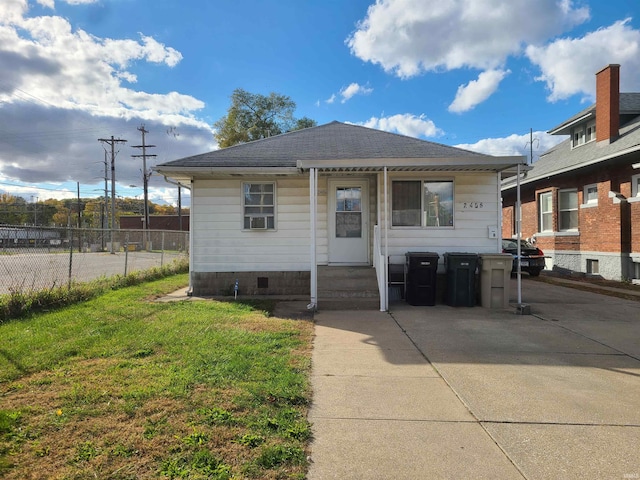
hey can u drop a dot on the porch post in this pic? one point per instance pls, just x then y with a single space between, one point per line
385 293
313 204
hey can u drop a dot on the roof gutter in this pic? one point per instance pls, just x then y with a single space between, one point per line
559 130
496 164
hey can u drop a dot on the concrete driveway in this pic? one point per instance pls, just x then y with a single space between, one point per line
443 392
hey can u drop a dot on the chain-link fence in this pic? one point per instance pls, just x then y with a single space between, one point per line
38 258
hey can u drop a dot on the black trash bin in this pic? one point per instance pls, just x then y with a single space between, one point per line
422 269
461 279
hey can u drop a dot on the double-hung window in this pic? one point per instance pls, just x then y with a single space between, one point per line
582 134
545 207
635 186
591 194
567 210
422 203
258 205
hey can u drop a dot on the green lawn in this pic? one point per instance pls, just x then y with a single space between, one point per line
122 387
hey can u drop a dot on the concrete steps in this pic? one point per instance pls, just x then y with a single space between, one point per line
347 288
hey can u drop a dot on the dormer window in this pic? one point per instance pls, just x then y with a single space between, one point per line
590 132
582 134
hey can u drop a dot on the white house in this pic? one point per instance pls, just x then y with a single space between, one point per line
268 213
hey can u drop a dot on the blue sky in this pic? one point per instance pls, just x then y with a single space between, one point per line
472 73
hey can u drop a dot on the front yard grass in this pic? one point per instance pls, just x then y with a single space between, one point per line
122 387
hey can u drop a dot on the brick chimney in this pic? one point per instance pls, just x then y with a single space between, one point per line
608 103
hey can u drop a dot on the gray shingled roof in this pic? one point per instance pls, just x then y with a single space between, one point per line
332 141
562 158
629 105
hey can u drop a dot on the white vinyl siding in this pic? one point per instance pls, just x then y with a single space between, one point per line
476 207
220 244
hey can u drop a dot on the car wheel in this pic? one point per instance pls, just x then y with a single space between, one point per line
534 273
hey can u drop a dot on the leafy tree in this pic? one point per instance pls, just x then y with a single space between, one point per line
253 116
304 122
14 210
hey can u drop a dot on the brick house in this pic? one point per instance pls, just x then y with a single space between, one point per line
581 199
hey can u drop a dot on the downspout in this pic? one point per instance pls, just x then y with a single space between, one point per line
191 235
313 203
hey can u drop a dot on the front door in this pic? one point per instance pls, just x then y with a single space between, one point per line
348 221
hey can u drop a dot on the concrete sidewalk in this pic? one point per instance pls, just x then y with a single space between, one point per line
381 411
459 393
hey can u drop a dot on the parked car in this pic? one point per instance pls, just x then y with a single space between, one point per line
531 257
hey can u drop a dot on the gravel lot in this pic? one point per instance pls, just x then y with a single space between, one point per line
39 270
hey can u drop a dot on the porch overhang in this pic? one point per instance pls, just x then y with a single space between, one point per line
441 164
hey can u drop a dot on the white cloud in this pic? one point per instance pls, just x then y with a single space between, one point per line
515 144
406 37
62 88
405 124
569 65
353 89
331 99
477 91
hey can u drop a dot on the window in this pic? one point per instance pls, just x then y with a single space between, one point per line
348 212
568 210
417 203
635 186
591 194
582 134
258 203
578 137
593 267
545 201
590 133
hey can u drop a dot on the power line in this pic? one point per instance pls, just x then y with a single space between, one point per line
112 142
145 175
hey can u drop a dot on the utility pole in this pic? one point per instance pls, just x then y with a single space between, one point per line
145 176
112 142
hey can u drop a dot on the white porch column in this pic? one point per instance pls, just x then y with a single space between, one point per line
386 240
313 205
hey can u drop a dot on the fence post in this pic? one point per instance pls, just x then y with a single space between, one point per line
126 252
162 251
70 237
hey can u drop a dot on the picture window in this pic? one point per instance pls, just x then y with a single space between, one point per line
422 203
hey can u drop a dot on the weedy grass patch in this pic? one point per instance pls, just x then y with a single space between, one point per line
122 387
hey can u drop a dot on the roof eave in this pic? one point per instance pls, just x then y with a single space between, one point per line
478 163
635 148
565 128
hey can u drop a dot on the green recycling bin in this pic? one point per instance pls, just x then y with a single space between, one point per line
461 279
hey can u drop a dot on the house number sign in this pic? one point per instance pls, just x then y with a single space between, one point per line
472 205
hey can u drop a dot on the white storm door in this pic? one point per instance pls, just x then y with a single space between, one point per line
348 221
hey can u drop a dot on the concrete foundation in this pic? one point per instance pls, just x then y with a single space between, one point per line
251 283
